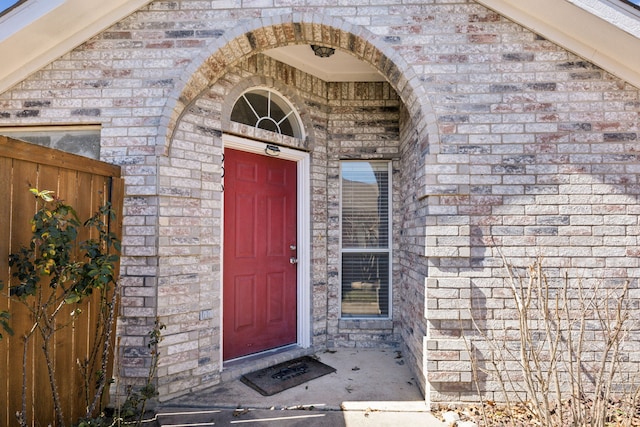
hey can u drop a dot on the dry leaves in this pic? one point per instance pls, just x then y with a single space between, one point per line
490 413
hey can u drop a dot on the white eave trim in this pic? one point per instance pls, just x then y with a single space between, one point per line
575 26
40 31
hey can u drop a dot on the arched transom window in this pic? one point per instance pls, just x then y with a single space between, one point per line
265 109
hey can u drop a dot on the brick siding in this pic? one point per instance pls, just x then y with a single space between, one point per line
499 139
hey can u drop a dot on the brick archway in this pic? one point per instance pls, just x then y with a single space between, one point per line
262 34
211 68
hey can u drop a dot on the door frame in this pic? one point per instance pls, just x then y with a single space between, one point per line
302 159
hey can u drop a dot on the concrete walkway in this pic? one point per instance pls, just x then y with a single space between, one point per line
369 388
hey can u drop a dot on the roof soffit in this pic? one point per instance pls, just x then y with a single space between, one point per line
40 31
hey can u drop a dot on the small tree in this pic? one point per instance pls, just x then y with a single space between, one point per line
56 270
568 351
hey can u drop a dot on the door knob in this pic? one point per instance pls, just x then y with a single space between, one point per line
293 247
293 260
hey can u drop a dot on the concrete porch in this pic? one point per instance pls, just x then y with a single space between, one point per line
371 387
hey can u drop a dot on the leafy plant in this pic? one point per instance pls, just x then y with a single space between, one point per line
4 318
54 271
134 406
132 411
4 321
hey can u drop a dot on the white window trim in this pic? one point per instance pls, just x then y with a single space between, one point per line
293 112
388 250
302 160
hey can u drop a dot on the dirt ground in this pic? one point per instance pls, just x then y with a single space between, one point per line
619 414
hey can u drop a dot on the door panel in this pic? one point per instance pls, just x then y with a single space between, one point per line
244 292
276 215
245 230
259 289
276 298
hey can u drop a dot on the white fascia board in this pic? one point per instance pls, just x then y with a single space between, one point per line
604 42
24 15
40 31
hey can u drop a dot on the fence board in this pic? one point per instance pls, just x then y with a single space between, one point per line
47 178
85 184
81 181
22 208
21 150
5 233
65 365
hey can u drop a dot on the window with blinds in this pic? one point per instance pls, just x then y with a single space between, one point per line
366 245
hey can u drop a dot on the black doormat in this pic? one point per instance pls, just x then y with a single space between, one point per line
274 379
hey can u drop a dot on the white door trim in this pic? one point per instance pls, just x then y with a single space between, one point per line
302 160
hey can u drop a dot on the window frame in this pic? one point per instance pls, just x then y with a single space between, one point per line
6 9
631 4
273 96
30 134
388 250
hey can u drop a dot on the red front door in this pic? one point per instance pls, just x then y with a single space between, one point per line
259 283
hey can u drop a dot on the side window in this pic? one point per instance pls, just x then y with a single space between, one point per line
265 109
81 140
365 251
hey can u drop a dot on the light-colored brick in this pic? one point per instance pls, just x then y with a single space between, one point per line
498 138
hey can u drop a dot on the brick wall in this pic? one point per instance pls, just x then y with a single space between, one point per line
189 278
537 156
363 123
504 139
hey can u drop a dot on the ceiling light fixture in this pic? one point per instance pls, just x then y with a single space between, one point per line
322 51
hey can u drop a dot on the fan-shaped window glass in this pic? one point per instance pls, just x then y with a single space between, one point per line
266 110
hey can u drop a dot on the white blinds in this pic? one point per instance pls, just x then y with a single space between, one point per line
365 251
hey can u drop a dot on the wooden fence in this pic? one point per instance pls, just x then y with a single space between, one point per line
85 184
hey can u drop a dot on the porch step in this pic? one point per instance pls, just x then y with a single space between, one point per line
236 368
